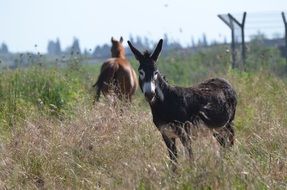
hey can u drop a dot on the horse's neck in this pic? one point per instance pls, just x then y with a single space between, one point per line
120 54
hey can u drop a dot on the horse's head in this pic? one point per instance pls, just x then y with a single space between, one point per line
148 72
117 50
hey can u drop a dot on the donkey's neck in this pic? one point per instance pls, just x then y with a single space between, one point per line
161 88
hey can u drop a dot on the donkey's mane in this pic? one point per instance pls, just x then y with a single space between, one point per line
146 54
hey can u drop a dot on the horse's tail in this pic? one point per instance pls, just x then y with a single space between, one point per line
105 78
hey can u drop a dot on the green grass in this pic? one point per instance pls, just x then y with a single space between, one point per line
52 137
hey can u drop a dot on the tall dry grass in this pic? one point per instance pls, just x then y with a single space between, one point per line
116 146
51 137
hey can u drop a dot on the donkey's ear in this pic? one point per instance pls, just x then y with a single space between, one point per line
136 52
157 50
121 39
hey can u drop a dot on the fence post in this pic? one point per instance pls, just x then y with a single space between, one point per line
285 25
231 22
243 39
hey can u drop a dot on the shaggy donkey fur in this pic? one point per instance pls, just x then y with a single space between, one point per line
176 110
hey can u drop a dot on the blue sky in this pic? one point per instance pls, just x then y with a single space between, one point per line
24 23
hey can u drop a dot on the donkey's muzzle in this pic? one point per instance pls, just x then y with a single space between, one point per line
149 96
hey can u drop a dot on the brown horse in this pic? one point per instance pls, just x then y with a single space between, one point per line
117 74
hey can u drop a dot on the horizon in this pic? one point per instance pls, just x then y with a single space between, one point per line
25 24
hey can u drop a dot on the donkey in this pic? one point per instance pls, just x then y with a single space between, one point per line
177 110
116 74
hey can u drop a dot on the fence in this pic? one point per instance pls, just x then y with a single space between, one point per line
251 24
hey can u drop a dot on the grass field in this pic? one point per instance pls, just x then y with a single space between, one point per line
52 137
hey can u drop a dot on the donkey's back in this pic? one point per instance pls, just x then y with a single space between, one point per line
212 102
218 102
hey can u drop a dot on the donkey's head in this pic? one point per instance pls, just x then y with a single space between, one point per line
117 48
148 72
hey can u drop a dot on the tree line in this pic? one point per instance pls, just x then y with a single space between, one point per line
54 47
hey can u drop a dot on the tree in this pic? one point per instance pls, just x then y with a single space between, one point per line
204 40
132 39
102 51
193 45
259 37
58 50
75 47
165 41
54 48
4 49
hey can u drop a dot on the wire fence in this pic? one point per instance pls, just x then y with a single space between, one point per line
270 27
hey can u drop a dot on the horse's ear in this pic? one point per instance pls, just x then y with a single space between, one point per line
136 52
157 50
113 39
121 39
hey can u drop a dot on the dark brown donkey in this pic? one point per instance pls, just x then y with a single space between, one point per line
177 111
117 74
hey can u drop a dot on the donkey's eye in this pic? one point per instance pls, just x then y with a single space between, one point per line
155 73
142 74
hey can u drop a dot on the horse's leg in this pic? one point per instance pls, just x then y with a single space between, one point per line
101 84
126 88
98 93
118 89
172 151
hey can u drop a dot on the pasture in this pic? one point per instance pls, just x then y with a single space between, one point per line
53 137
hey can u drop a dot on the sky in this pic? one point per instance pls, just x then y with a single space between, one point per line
24 23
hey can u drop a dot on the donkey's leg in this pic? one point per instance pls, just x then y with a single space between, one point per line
185 140
219 136
172 151
231 133
225 136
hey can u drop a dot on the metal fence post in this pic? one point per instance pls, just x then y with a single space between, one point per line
285 25
231 22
